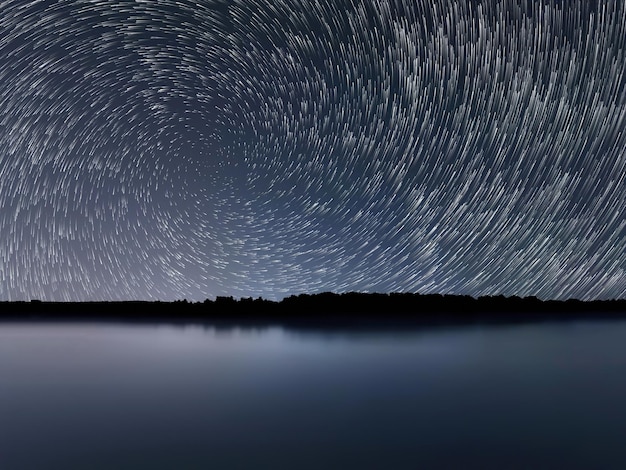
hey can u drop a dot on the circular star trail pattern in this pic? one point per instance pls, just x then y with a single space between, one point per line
174 149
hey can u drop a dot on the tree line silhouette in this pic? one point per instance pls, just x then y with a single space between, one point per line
328 308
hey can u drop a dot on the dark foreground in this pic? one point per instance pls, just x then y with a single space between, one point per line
326 309
117 395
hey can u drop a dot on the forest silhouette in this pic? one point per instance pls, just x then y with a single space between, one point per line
326 309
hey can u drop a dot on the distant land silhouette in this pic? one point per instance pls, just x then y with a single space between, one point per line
326 309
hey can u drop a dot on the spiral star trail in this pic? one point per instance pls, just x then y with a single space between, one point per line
174 149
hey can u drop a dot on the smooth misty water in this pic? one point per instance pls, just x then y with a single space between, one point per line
85 396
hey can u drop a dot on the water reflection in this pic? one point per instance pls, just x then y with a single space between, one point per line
158 396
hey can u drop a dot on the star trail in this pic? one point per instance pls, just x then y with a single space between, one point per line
174 149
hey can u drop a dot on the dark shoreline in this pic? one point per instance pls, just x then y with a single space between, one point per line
326 310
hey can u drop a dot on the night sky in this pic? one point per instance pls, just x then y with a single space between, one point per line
176 149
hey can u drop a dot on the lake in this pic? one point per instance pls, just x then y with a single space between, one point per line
123 396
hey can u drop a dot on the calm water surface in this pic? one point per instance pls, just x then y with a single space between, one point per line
101 396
